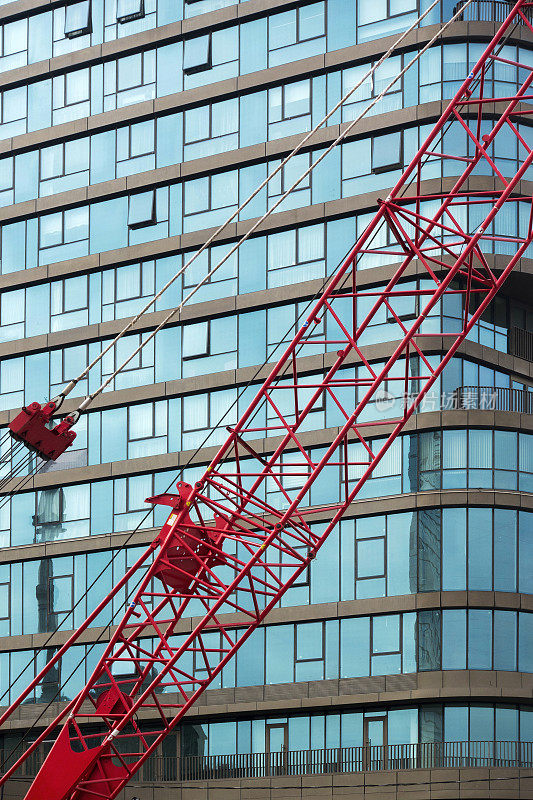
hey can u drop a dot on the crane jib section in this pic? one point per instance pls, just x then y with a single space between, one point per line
243 534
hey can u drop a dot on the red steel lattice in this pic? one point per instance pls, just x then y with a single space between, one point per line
238 539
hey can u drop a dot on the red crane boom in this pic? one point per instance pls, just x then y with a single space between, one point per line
241 536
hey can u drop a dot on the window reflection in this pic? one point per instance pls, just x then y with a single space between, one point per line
451 639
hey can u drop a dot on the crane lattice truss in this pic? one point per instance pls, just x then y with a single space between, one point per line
236 540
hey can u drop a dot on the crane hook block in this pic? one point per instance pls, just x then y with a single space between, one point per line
31 426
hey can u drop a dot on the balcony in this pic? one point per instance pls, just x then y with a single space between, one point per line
489 398
521 343
336 760
339 760
487 11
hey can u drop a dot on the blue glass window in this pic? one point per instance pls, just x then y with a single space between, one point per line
386 152
311 21
141 210
5 611
386 634
299 25
15 37
280 654
429 640
309 641
505 633
197 54
370 558
453 549
525 639
78 19
479 639
60 595
282 29
289 101
454 639
76 89
196 340
14 104
128 10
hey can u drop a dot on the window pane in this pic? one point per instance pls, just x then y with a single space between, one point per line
197 124
429 640
504 550
386 633
196 195
224 189
505 450
370 558
128 282
281 249
309 641
479 639
141 138
480 448
197 54
525 642
453 549
225 117
281 29
481 723
141 209
75 293
311 21
505 640
525 445
386 152
4 600
14 104
525 552
280 654
195 412
15 37
77 86
297 99
51 229
130 71
311 243
77 155
76 224
129 9
141 421
480 548
195 339
60 594
454 449
77 19
454 639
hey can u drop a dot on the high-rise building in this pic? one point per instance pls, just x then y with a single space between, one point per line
130 129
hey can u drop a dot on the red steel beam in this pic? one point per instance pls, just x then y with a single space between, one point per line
237 567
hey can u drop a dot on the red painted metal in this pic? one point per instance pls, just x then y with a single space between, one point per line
30 427
259 487
187 551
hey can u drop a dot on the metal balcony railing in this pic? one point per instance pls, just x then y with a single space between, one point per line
342 759
489 398
487 11
335 759
521 343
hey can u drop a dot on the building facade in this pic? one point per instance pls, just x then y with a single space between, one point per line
130 129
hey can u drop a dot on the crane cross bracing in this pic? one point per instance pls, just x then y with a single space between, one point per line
241 536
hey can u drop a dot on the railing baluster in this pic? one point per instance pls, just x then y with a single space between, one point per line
424 755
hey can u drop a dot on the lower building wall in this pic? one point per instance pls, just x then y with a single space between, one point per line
440 784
